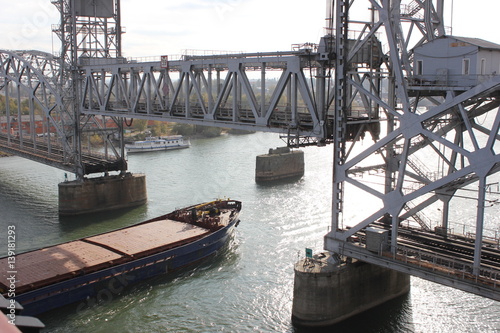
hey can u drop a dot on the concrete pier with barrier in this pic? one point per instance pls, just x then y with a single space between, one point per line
92 195
279 164
329 289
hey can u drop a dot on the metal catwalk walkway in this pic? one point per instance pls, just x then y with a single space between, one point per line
445 259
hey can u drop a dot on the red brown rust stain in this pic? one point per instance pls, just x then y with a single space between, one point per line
145 237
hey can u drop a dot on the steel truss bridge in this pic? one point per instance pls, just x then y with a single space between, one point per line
423 157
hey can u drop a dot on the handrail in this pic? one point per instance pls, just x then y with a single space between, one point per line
445 265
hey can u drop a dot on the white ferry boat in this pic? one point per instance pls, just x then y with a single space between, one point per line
158 143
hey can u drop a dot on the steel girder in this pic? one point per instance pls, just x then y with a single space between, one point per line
212 91
33 76
433 147
37 123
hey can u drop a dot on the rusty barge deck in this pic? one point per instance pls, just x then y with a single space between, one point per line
171 241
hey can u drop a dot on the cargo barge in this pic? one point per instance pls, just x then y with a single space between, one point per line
99 267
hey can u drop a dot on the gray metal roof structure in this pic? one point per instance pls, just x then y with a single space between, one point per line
481 43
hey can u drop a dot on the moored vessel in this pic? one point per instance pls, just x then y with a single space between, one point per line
158 143
103 265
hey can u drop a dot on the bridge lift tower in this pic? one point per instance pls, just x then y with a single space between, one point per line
50 128
55 131
88 29
420 199
435 163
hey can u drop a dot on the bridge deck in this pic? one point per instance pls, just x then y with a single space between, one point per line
446 259
54 155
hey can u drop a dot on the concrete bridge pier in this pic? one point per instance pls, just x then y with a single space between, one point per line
99 194
329 289
280 164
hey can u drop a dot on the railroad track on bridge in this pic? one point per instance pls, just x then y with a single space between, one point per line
453 254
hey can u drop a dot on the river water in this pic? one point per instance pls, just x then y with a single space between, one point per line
248 287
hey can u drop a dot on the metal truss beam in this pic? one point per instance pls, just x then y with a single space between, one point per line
212 91
427 153
36 123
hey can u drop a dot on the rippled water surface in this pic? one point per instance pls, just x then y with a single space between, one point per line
248 287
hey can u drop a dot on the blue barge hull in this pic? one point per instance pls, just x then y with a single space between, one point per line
215 221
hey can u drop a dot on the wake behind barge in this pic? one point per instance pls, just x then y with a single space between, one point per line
101 266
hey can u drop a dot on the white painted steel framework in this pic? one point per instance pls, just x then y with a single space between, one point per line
438 141
213 91
34 77
36 123
51 87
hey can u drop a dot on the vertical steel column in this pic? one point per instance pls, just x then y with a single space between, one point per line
209 91
19 116
440 15
390 15
148 87
105 140
120 122
103 91
478 243
75 97
49 135
118 27
7 110
445 216
186 92
135 85
289 93
32 121
293 98
235 95
263 89
341 27
218 81
321 102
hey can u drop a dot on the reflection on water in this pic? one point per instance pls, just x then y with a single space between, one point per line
394 316
84 225
248 287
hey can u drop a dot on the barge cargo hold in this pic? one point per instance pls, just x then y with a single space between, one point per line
105 264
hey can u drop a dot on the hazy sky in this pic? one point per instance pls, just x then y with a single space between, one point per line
156 27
